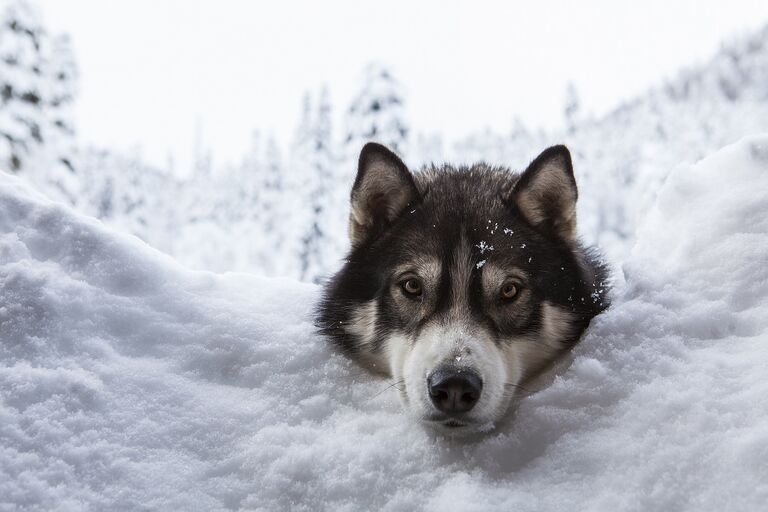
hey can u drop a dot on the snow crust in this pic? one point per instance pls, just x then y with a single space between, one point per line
129 382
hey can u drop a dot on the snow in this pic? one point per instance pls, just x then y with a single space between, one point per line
130 382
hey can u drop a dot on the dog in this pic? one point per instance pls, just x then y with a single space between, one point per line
462 283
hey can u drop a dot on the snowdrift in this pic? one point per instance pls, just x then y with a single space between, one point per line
129 382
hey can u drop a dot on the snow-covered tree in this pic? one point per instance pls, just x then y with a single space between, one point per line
571 108
377 113
61 84
248 181
21 76
316 243
256 192
271 209
202 164
37 89
295 210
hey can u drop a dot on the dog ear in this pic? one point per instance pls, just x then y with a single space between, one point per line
546 193
383 189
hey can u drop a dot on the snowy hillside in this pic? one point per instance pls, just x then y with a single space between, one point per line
281 209
128 382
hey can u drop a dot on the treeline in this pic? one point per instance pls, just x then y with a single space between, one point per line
282 209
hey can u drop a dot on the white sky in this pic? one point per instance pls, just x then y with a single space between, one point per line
153 70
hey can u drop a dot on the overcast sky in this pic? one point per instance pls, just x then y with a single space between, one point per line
153 70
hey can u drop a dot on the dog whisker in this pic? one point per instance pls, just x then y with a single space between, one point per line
518 386
393 385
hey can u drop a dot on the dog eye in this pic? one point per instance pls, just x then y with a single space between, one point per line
411 287
509 291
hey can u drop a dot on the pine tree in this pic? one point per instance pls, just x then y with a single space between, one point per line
377 113
22 65
297 184
273 194
249 183
571 108
316 241
202 164
61 83
256 194
37 89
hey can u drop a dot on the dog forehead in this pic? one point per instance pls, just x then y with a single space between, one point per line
460 240
472 193
468 200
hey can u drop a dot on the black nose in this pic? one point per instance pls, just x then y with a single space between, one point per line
454 390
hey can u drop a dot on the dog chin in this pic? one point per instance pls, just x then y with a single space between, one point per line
457 427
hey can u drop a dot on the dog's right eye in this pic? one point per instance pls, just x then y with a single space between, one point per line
411 287
509 291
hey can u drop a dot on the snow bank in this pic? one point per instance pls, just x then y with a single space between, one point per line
128 382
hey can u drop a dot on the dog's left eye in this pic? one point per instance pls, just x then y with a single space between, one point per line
509 291
411 287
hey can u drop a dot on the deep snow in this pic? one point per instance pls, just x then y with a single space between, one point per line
129 382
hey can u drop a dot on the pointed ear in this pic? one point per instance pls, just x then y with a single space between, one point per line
383 189
546 193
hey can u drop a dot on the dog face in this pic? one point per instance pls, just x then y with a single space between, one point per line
462 284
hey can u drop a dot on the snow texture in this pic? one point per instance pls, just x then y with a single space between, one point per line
130 383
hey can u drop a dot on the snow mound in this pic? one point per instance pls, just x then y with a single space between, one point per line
129 382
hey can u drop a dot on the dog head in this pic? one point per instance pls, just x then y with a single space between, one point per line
462 283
